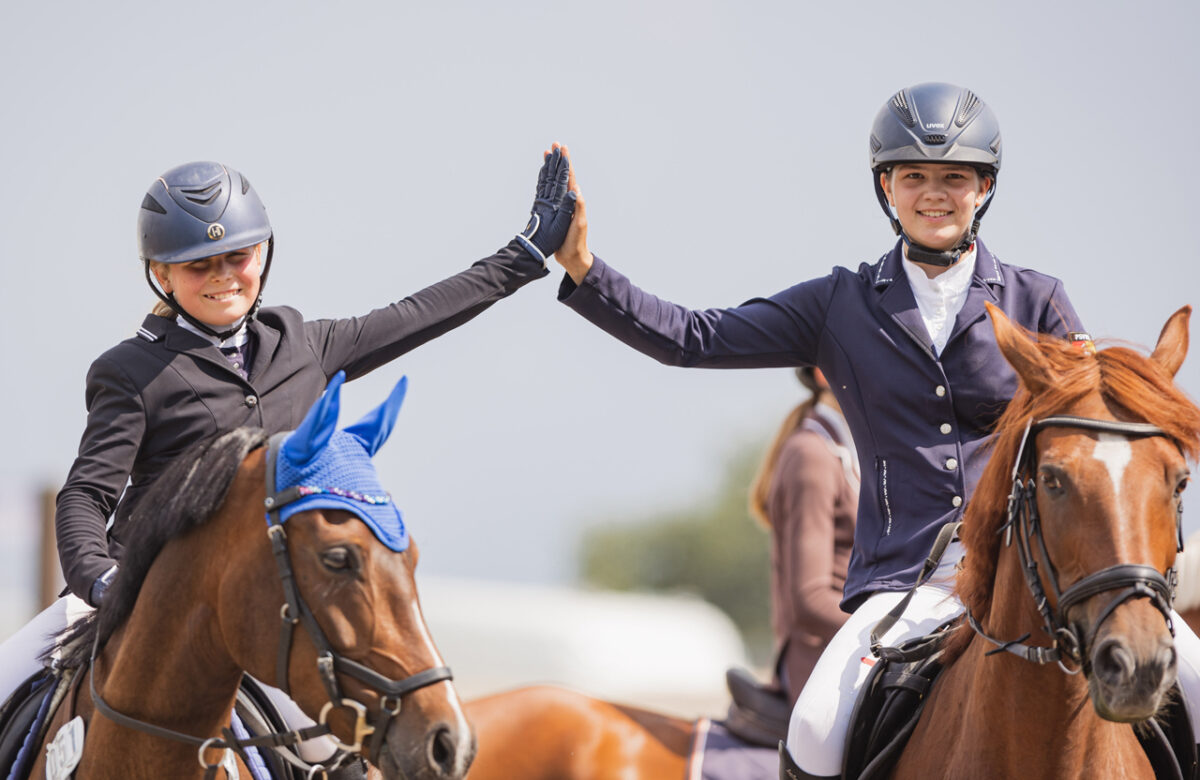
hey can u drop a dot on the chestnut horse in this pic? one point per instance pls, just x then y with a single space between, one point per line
1100 486
198 600
1106 498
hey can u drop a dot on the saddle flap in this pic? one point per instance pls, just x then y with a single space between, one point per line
758 714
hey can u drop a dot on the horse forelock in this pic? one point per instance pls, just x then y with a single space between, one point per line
1134 387
187 493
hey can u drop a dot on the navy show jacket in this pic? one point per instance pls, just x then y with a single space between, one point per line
153 395
919 420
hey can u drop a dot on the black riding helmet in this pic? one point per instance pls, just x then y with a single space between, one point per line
935 123
197 210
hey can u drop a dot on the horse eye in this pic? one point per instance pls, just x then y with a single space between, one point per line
1182 486
338 559
1050 481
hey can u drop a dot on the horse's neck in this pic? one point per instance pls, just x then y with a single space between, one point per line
1026 709
166 666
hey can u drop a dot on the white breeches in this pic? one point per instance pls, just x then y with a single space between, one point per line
821 717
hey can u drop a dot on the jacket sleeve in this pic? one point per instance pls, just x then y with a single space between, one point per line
782 330
361 344
801 506
116 422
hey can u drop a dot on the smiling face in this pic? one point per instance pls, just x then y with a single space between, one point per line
217 290
935 202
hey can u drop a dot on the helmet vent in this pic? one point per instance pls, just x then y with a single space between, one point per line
968 107
935 139
150 204
245 184
203 196
876 144
902 109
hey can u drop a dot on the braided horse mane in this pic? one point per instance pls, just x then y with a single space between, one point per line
1135 388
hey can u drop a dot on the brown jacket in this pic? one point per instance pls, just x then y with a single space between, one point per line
812 505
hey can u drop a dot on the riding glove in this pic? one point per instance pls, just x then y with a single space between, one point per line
553 207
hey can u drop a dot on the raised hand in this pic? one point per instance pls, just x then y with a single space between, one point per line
553 206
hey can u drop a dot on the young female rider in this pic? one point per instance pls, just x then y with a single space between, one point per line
806 494
209 360
912 360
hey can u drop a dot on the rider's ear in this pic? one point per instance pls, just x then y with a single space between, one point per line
1172 344
1022 353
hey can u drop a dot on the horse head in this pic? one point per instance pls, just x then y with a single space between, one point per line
361 659
1093 454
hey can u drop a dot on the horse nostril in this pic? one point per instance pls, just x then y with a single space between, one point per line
442 749
1113 663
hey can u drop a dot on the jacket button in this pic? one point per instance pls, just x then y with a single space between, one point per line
956 501
951 464
945 428
939 391
252 401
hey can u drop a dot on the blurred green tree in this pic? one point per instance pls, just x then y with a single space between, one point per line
712 549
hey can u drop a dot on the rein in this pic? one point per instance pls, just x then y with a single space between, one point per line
329 664
1131 580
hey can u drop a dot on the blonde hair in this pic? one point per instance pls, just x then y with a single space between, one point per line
760 486
160 308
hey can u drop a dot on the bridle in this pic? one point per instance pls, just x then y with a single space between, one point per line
1129 580
329 663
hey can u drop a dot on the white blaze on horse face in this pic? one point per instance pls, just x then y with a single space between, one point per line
1115 452
463 727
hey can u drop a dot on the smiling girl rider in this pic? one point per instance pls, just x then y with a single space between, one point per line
912 360
207 360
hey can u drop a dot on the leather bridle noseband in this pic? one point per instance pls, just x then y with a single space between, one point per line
329 664
1131 580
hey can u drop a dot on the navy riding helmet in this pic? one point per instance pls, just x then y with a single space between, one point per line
935 123
197 210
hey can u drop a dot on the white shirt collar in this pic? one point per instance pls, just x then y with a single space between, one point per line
941 298
236 340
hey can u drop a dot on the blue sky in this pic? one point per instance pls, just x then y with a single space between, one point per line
722 149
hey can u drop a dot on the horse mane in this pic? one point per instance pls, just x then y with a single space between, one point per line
187 493
1134 388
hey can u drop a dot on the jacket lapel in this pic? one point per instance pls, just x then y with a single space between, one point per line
897 301
266 342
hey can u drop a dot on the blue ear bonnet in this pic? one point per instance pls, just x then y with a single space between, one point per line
332 469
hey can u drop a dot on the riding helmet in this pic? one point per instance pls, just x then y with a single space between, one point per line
938 123
197 210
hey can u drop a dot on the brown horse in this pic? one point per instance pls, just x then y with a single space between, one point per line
1105 498
198 603
1103 538
548 733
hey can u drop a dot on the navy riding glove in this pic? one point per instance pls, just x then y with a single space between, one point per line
553 207
100 586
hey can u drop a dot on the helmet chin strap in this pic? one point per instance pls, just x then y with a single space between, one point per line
918 253
220 335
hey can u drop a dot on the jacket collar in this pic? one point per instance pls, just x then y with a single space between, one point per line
898 302
889 268
167 332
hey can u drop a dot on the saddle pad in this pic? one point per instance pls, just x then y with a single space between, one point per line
22 715
718 755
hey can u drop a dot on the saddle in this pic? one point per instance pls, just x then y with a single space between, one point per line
758 713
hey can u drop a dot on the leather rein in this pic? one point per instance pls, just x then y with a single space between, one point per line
329 663
1130 580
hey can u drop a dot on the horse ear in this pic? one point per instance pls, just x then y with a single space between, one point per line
375 427
1021 352
306 442
1172 344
